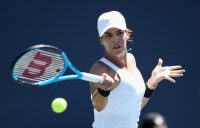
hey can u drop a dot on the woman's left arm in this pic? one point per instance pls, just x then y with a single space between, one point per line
158 74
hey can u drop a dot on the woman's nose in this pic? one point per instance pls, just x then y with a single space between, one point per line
115 38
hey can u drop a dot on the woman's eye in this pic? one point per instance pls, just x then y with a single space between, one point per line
108 35
120 32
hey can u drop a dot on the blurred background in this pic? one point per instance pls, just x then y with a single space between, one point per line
168 29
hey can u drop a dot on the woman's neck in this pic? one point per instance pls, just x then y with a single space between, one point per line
121 61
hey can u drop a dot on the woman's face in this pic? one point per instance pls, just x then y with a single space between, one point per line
115 42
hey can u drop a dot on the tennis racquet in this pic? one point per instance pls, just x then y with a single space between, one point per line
42 65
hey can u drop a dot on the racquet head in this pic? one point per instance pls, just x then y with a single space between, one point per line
39 64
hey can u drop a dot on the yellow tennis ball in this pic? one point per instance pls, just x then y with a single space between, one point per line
59 105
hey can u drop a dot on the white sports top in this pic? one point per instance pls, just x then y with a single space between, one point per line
124 102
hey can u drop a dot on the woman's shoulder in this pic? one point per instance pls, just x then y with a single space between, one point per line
131 57
98 68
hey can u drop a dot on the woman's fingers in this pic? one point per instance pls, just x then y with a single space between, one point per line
177 72
107 83
160 62
170 79
175 75
174 67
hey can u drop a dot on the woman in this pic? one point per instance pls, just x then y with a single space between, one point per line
119 99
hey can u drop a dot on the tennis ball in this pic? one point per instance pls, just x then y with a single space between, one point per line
59 105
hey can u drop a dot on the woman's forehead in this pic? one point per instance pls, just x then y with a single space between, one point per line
113 30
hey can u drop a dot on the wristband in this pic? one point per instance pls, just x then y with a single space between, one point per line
148 92
103 92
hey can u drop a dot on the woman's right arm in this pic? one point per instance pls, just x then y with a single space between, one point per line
100 91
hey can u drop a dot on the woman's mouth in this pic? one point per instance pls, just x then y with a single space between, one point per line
116 47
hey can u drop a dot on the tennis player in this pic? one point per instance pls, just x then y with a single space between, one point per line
119 99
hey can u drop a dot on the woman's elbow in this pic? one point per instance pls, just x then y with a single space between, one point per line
98 107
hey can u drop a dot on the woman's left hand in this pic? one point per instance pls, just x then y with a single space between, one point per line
167 72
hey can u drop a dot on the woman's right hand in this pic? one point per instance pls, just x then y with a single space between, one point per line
107 84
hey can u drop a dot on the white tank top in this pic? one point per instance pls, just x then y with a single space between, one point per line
124 102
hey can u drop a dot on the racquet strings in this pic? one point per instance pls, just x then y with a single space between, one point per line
39 65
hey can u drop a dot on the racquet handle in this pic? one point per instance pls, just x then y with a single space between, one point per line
91 77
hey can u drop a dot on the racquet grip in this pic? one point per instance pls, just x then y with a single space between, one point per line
91 77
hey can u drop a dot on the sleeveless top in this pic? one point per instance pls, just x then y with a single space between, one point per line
124 102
